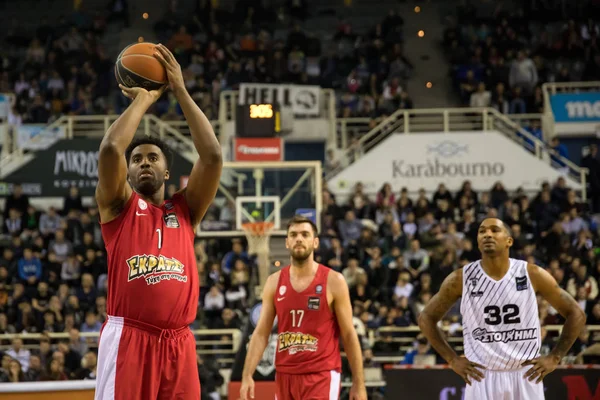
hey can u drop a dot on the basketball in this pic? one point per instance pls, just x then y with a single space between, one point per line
137 67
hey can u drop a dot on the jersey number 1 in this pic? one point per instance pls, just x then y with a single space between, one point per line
159 231
297 316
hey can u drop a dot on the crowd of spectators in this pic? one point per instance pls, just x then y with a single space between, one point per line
501 53
63 68
59 69
395 251
219 50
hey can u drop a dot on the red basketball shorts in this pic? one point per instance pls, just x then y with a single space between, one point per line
323 385
137 361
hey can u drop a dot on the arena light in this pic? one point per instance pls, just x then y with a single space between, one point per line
428 85
417 9
421 33
141 39
145 15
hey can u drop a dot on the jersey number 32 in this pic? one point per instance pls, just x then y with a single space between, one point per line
508 315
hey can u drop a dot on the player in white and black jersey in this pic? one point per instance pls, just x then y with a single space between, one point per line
501 325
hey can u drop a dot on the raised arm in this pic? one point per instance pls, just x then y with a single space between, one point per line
434 311
206 173
343 312
260 337
113 191
565 304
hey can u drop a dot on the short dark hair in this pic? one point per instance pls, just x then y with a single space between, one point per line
149 140
507 229
300 219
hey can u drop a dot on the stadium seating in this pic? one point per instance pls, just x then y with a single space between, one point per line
394 249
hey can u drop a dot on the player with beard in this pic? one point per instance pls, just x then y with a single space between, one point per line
313 309
146 349
501 326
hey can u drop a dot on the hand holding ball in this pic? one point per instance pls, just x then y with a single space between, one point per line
137 66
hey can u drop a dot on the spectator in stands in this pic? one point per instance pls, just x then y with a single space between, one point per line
523 73
20 354
17 200
55 371
237 253
210 378
89 364
34 372
60 246
349 228
50 222
13 225
72 201
71 269
352 272
30 270
592 163
423 354
481 98
15 372
214 303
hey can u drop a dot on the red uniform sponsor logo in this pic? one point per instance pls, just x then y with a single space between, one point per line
295 342
155 269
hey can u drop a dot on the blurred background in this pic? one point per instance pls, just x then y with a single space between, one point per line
396 125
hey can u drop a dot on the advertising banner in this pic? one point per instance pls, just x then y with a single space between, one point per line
576 113
427 159
258 149
444 384
303 100
69 163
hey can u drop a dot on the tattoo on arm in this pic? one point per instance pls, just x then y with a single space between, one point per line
435 310
575 322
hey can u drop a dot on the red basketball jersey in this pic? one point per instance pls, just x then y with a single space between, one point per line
308 330
152 273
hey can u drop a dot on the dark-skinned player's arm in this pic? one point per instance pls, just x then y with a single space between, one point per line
113 190
342 308
206 173
565 304
438 306
260 336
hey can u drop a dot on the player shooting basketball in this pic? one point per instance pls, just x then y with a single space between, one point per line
152 275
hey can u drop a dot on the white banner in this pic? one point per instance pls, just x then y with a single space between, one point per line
303 100
425 160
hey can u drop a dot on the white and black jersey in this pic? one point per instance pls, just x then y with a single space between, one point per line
501 326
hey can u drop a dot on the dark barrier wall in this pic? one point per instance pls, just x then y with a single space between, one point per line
71 163
444 384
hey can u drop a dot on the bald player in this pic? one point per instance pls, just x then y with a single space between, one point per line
501 326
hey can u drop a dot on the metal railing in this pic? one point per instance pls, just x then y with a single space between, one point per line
222 342
404 338
447 120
